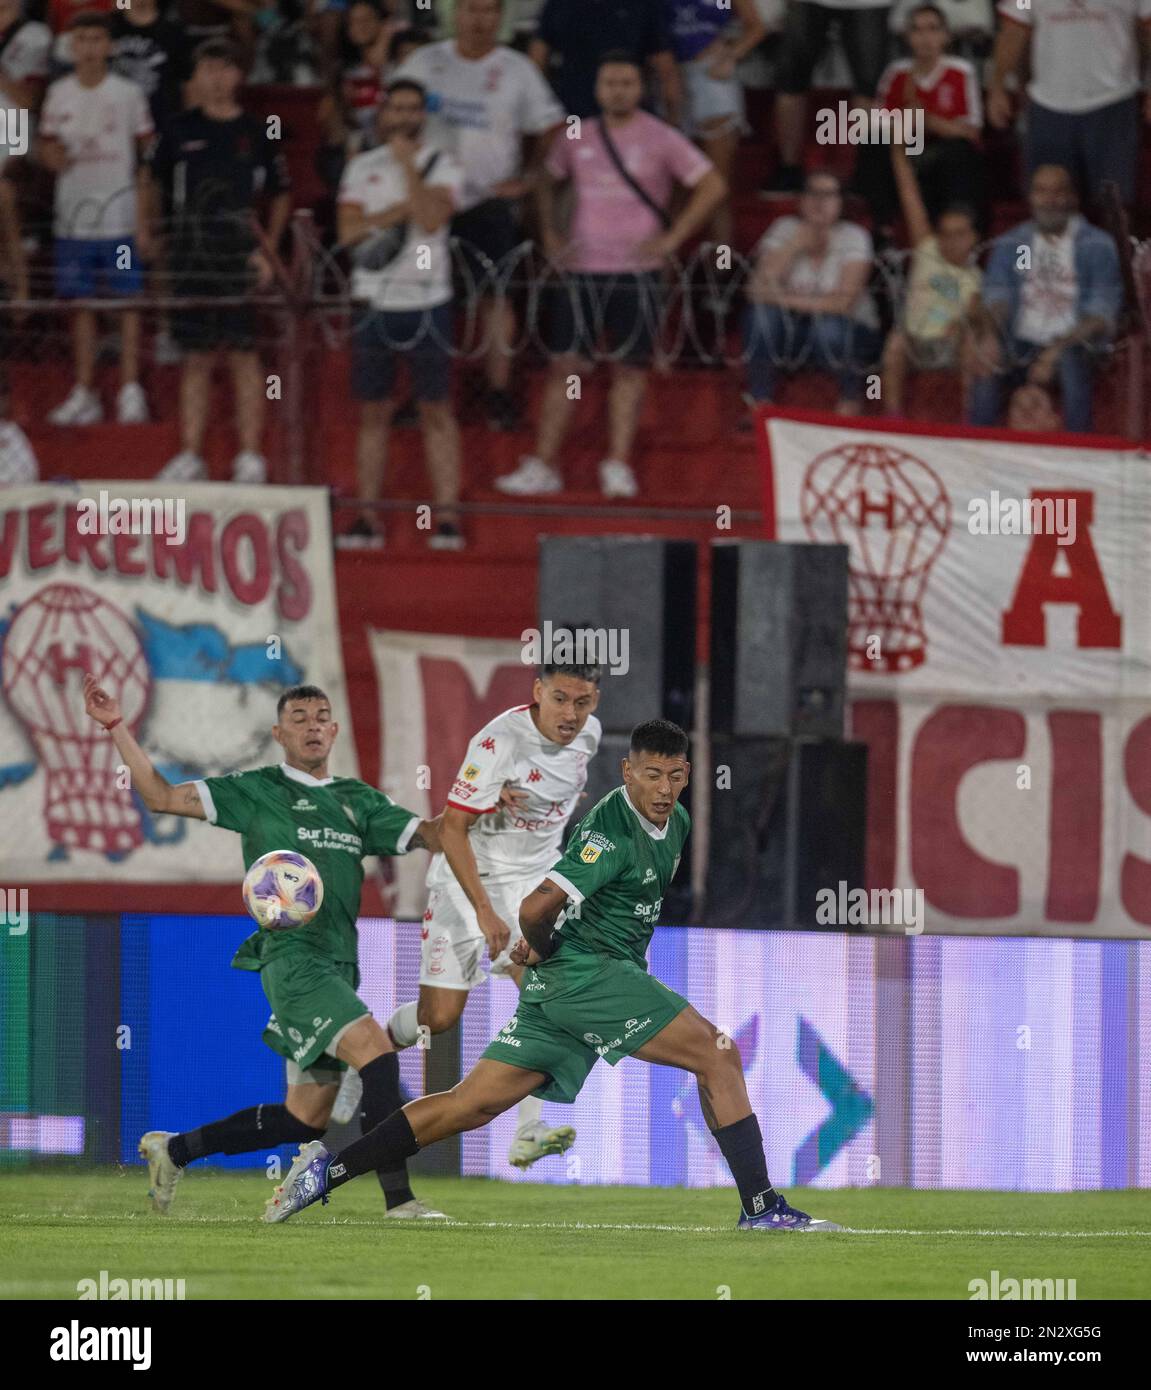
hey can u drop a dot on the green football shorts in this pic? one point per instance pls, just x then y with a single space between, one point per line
577 1009
313 1000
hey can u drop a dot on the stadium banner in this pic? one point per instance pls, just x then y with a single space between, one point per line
195 605
999 638
435 691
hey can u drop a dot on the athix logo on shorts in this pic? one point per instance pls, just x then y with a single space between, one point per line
580 646
882 907
845 125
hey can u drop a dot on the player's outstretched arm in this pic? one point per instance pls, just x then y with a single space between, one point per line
538 913
156 792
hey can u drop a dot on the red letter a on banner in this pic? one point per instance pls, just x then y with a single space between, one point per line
1083 585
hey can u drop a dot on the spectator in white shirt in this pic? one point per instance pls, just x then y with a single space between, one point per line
94 132
395 205
1083 97
810 305
487 104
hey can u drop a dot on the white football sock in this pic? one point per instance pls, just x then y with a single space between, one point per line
530 1113
405 1025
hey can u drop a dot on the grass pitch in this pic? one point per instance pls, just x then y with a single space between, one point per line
533 1241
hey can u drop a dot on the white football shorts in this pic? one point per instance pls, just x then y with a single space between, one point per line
452 945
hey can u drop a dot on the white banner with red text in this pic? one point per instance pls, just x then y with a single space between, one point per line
999 637
195 606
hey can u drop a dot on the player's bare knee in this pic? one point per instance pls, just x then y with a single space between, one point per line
439 1015
720 1059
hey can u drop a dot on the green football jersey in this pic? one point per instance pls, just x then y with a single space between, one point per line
615 871
334 821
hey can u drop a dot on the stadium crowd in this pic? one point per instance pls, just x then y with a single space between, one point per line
547 169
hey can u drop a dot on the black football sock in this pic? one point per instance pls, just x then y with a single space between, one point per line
381 1098
262 1127
742 1146
381 1150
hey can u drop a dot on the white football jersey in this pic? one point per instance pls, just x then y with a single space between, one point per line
509 748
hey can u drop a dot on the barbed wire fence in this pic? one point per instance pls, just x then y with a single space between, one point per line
208 262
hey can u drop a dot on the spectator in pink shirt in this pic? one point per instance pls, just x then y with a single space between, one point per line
623 167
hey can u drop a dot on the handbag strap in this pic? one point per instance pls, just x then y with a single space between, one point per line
637 188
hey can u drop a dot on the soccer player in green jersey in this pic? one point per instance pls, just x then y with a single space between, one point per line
319 1025
587 995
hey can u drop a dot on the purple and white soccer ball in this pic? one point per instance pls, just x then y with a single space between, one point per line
282 890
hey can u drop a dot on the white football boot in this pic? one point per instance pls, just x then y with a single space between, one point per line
530 1145
163 1174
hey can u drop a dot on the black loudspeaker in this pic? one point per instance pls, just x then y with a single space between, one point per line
778 639
638 590
603 776
788 819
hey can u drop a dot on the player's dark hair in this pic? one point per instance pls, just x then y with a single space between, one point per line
616 56
408 84
90 19
299 692
658 736
579 673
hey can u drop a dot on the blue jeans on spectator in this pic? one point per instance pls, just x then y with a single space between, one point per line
778 343
1074 374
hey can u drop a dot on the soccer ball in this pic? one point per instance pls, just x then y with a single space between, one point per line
282 890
